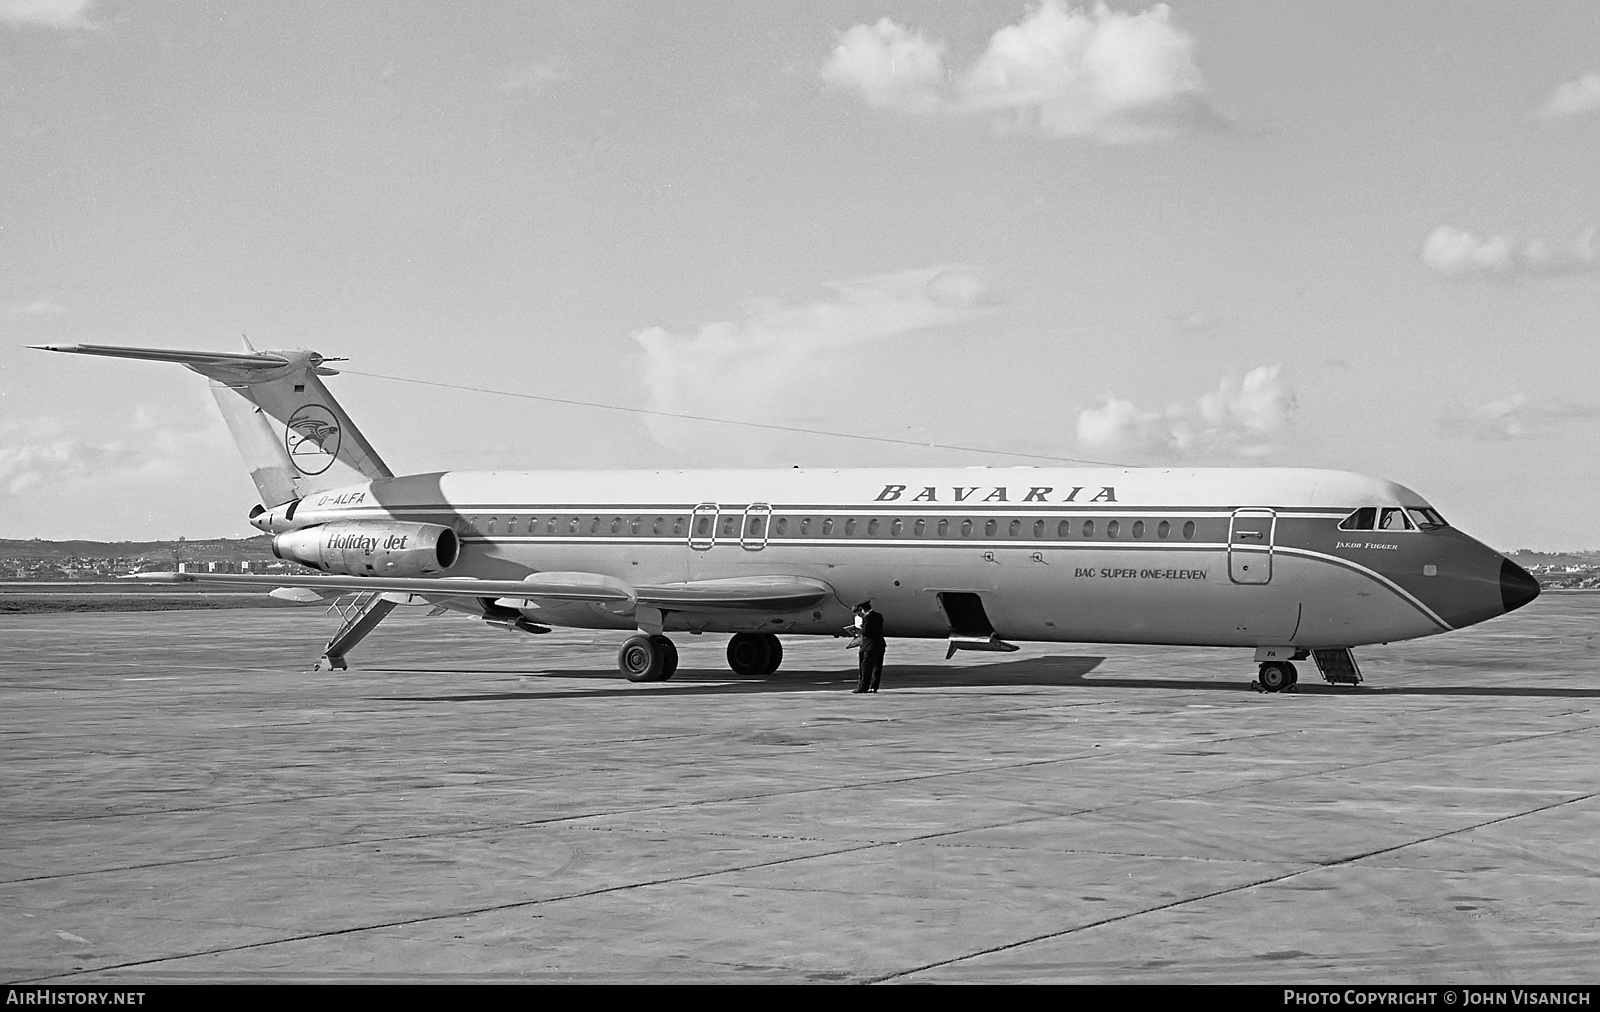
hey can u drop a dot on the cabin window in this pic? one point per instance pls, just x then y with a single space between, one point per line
1015 528
492 522
754 528
616 525
1038 528
594 526
655 528
550 528
897 527
1163 529
944 528
1113 528
920 528
1088 528
1363 519
783 526
827 525
728 527
872 526
805 525
633 528
511 525
677 527
989 528
1138 528
1064 529
850 526
1188 529
966 528
1426 518
702 525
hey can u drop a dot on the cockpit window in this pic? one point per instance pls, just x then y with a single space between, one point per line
1426 519
1362 519
1393 518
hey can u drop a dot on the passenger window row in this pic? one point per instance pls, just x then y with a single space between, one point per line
728 527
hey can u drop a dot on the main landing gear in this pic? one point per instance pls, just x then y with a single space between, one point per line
648 659
1277 676
654 659
754 653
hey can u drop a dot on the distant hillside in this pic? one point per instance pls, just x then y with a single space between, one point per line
238 549
1527 558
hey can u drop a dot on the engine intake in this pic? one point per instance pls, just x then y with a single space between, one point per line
364 548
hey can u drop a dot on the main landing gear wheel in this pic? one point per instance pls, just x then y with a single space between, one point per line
1277 676
754 653
648 659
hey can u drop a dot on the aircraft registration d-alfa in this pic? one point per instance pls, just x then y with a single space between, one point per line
1293 563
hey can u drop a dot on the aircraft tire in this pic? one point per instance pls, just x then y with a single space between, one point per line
749 654
1294 676
774 653
669 660
641 659
1274 677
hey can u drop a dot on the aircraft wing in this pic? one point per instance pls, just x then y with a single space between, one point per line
744 593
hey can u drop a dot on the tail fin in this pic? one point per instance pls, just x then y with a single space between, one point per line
294 436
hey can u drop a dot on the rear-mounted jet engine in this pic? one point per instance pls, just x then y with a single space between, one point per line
357 548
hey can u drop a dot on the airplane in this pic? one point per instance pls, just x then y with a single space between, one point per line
1291 563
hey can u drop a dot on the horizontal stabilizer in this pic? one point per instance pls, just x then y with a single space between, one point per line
746 593
228 359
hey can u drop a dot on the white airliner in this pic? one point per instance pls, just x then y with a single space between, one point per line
1292 563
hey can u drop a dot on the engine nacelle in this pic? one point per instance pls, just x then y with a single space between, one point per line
275 520
367 548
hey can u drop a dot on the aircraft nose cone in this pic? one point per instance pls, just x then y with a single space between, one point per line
1517 587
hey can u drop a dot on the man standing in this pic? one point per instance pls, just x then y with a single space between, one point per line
869 628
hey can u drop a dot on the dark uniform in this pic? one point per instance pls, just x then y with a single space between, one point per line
872 648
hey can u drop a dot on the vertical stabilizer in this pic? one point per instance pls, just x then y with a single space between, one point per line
294 436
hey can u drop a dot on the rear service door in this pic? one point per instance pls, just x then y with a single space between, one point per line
1250 545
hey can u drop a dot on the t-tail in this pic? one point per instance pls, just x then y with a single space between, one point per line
294 436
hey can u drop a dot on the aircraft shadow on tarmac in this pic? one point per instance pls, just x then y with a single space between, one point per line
1059 671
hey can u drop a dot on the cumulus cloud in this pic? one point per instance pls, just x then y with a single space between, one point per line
1241 418
1516 417
890 66
1573 98
1093 73
779 363
47 13
47 451
1458 253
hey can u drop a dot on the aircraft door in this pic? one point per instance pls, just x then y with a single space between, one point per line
753 533
703 527
1250 534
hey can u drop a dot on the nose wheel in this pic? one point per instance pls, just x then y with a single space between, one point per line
1276 676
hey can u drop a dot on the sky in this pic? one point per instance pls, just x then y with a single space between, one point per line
1356 235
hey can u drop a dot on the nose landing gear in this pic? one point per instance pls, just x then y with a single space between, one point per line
1276 676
